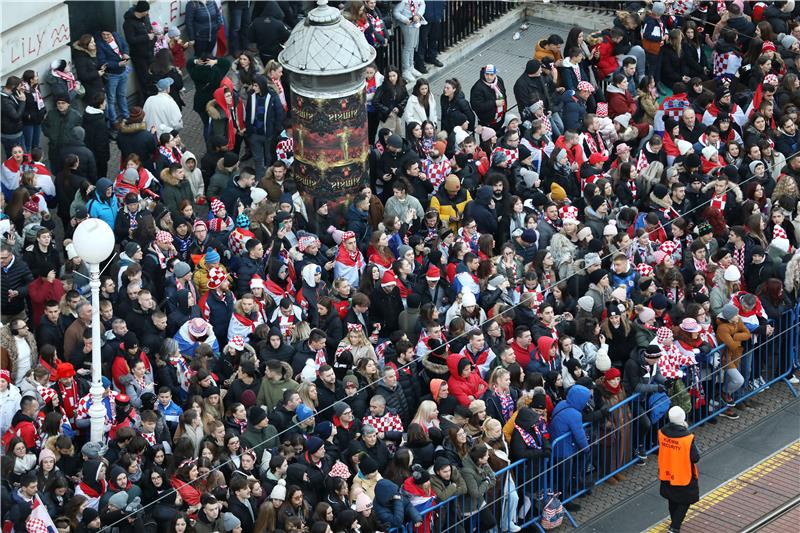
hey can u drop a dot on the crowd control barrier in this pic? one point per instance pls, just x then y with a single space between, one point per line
615 441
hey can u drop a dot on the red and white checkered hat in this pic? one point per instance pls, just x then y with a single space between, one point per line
163 237
340 469
644 270
216 205
668 247
198 327
215 277
585 86
602 110
663 334
6 375
771 79
569 214
46 393
237 341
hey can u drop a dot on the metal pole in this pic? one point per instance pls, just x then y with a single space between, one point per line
97 411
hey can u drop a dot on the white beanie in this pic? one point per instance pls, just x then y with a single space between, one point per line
603 362
309 372
732 273
683 146
709 152
460 135
468 299
677 416
278 491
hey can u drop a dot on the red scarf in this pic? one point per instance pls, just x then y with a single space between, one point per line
89 491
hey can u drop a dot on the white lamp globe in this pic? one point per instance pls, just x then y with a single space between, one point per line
93 240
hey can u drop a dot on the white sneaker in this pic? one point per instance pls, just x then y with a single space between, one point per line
793 380
415 72
514 528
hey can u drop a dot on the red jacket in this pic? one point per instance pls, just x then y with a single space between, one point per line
40 290
189 494
21 426
619 102
461 389
608 60
523 355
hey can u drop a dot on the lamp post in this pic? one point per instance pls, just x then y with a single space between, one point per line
94 242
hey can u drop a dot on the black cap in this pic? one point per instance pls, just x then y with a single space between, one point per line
652 351
256 415
395 141
757 250
367 465
532 66
81 212
130 339
539 401
141 6
230 159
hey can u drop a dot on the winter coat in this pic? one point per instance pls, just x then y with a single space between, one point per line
619 102
396 400
203 19
206 80
485 216
449 107
482 99
272 118
387 98
136 33
573 112
194 177
86 71
161 110
97 138
567 419
101 207
12 110
448 206
527 419
391 508
461 388
174 191
8 350
136 139
57 127
478 480
415 112
733 336
270 394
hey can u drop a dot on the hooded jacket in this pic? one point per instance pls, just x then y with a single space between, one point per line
462 388
102 207
195 176
529 421
540 358
458 104
263 111
567 419
391 507
136 30
484 215
482 98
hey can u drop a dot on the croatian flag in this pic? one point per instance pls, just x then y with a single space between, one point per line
39 520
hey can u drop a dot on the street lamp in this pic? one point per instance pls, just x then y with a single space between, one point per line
94 242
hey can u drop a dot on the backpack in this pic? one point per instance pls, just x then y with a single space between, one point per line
552 512
658 404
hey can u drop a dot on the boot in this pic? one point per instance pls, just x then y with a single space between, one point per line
619 477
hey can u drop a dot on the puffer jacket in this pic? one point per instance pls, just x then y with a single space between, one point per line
11 110
567 419
136 30
174 191
457 104
203 19
479 480
461 388
391 510
448 206
482 99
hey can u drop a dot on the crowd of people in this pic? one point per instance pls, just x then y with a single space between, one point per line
274 362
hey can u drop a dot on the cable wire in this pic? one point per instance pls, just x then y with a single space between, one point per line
416 360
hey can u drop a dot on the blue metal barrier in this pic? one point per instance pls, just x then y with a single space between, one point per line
615 441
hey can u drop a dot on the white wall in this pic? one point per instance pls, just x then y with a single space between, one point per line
32 35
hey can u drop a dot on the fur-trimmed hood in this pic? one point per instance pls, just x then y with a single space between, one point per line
430 364
125 127
167 177
78 48
732 187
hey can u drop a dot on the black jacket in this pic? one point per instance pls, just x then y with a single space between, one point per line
97 135
87 166
526 91
485 216
671 70
482 99
268 34
387 98
457 104
385 308
690 493
135 139
86 70
16 277
12 111
326 398
41 263
246 516
136 35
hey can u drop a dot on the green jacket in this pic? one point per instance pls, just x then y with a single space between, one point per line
271 393
259 439
206 81
219 182
456 487
58 128
479 480
173 192
642 335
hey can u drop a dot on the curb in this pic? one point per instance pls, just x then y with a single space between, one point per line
467 47
573 15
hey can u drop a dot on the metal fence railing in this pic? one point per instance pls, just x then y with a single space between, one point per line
461 19
614 441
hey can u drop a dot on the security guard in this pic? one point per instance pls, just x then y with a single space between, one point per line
677 468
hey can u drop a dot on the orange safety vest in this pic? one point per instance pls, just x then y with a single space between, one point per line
674 462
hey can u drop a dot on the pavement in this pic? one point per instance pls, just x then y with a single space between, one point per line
727 449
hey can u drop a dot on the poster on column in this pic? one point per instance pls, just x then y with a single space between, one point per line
330 144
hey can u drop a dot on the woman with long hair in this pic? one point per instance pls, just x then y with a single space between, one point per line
34 112
357 344
163 67
308 394
244 70
671 53
390 101
379 253
421 106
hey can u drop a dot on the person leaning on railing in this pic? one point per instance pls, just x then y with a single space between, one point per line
732 332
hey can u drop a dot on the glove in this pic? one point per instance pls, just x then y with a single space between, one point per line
134 506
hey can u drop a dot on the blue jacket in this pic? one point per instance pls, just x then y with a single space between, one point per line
391 510
434 10
107 56
271 117
358 223
573 111
101 207
567 419
202 20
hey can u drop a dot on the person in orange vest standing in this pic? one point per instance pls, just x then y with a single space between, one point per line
677 467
